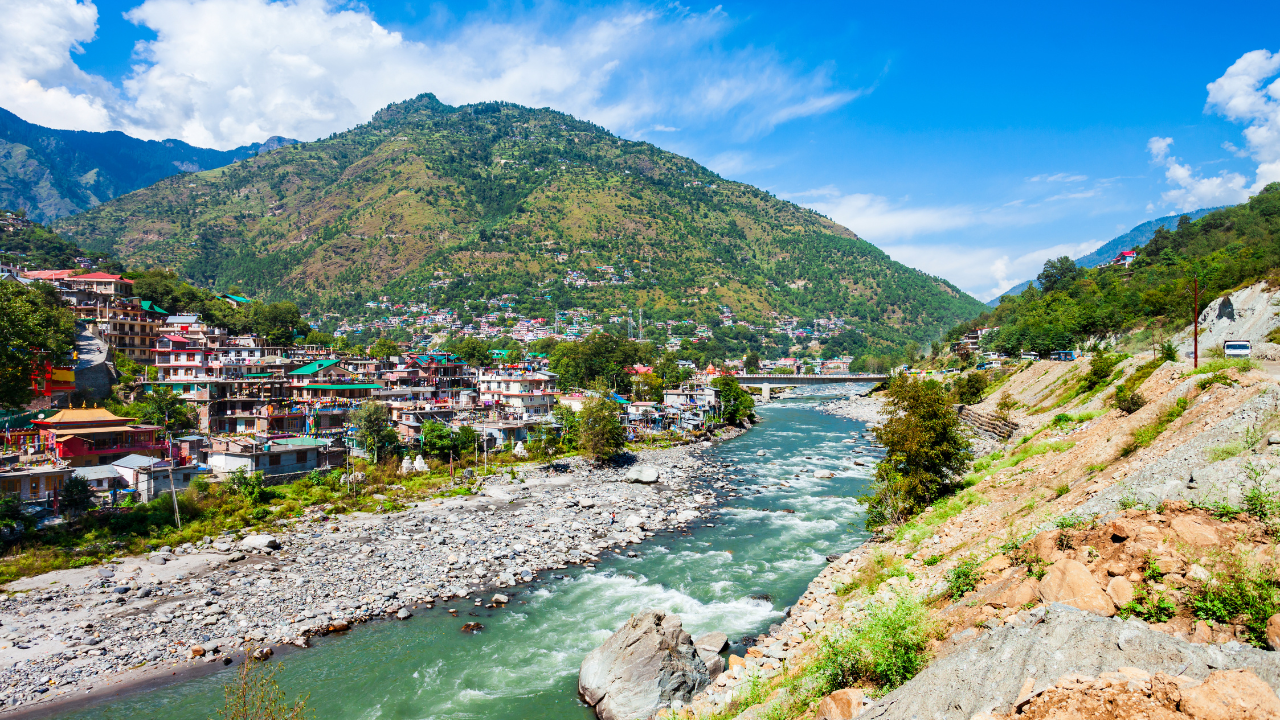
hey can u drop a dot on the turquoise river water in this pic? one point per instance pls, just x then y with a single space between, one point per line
737 577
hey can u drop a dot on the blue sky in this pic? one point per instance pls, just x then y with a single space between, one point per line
970 142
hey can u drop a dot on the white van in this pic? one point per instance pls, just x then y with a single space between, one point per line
1237 348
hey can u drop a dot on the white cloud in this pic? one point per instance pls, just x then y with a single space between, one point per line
1075 195
664 128
990 268
39 80
227 72
1058 177
1241 95
1192 191
880 220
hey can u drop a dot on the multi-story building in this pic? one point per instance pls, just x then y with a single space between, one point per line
518 394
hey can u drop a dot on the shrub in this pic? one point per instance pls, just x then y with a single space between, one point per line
932 560
1151 608
969 388
1242 593
1062 489
255 695
962 578
887 648
1100 368
1168 353
1128 401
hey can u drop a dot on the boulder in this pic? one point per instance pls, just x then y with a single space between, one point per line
1230 695
648 664
1120 590
158 560
260 542
1193 531
1069 582
715 642
843 704
823 474
643 474
1273 632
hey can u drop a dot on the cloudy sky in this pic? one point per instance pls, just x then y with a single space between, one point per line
970 142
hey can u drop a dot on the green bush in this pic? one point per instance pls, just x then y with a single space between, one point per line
1128 401
1239 593
962 578
887 648
1151 608
1218 378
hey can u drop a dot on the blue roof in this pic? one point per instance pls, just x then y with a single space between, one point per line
137 461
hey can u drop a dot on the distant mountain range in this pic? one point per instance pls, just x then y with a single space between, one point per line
1136 237
51 174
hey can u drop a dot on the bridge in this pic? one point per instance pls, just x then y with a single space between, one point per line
766 382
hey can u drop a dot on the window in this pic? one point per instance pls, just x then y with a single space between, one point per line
35 487
191 357
275 460
302 457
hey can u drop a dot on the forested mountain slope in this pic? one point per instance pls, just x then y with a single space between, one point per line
440 203
1226 249
1136 237
54 173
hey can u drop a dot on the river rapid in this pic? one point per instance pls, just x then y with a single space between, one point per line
735 572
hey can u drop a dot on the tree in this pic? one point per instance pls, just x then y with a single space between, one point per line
278 323
648 387
166 409
248 484
439 441
315 337
474 352
969 388
568 421
1058 274
542 444
76 495
383 348
600 435
926 451
601 357
735 402
35 328
373 429
751 363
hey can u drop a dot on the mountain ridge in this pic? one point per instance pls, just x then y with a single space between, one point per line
51 173
428 201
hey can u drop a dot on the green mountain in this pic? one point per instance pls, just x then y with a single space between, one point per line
428 202
1226 249
1135 238
54 173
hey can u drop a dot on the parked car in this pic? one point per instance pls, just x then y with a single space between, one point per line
1237 348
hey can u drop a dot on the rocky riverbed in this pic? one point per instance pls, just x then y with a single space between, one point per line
863 408
68 632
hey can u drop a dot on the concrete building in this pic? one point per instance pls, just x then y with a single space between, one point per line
518 394
96 436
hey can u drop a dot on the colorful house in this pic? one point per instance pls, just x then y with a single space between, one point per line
96 436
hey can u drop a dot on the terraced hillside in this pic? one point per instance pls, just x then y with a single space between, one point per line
428 201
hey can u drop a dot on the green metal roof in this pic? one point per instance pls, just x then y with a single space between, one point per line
314 367
368 386
259 375
151 307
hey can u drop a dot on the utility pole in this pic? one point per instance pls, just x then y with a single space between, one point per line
173 491
1195 321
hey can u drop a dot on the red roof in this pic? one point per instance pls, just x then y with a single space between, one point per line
175 338
48 274
101 276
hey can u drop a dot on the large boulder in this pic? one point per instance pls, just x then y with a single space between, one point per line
650 663
1070 582
260 542
643 474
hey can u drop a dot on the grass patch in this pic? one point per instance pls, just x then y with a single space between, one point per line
962 578
1216 378
923 525
983 470
1229 450
1147 434
879 568
1211 367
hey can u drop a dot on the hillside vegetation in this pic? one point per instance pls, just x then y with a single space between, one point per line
1226 249
448 204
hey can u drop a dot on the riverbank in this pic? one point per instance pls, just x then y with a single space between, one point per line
862 408
151 619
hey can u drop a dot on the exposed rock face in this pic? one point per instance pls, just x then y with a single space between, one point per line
650 663
1010 664
843 704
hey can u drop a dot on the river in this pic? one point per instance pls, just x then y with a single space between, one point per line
736 572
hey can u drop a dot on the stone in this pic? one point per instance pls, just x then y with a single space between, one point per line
761 453
1201 634
403 614
1273 632
260 542
1198 573
1070 583
643 474
106 572
823 474
649 662
997 564
500 598
158 560
1046 545
843 704
1230 695
737 661
1120 591
1194 532
715 642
